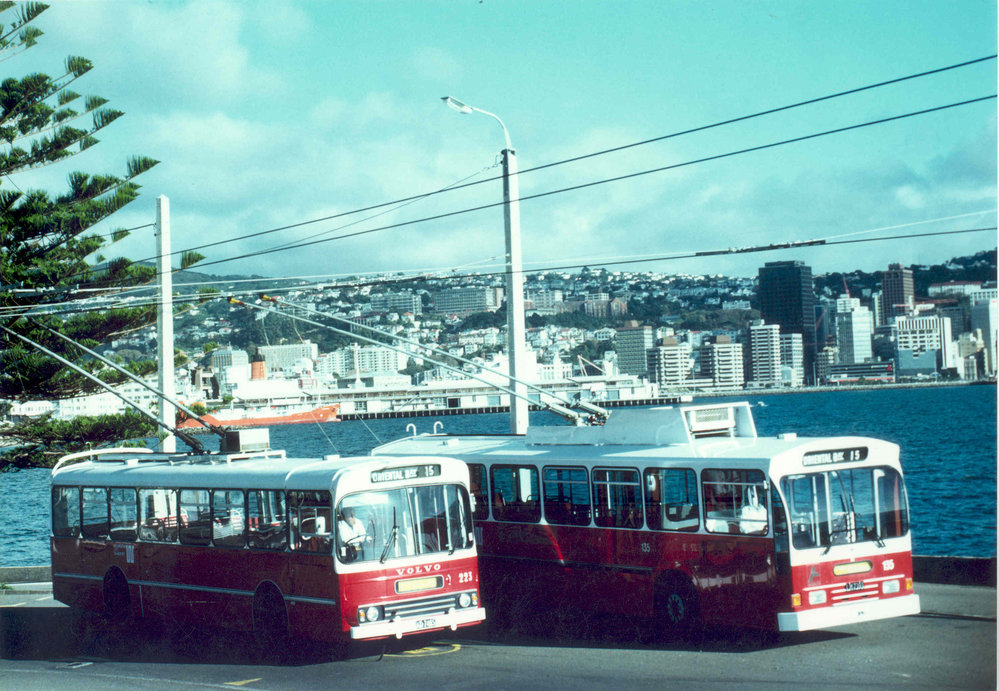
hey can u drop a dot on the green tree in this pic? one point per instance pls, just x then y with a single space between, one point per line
50 256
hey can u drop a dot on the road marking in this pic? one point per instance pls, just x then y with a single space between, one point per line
19 604
43 599
428 651
242 683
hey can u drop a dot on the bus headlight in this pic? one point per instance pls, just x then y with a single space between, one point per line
889 587
366 614
817 597
464 600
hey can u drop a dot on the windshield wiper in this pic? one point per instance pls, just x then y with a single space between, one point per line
391 538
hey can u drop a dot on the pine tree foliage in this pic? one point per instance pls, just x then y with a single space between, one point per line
51 254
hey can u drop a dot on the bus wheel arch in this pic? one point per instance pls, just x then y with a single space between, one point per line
676 605
115 595
270 615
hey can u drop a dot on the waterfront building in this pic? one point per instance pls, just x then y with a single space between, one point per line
632 344
924 333
764 355
983 318
862 372
787 299
897 292
722 363
854 331
287 357
792 360
670 365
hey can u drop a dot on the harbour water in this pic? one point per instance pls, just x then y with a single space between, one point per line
947 436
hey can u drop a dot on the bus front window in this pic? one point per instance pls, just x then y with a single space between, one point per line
845 506
393 524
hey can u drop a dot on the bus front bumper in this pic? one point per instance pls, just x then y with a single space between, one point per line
842 615
399 626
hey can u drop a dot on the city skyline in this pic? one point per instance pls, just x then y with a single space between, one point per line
253 135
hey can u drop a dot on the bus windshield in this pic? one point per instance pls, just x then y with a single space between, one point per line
845 506
398 523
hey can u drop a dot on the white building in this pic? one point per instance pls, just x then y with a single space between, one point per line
670 365
722 363
922 333
764 354
854 331
792 360
983 318
287 357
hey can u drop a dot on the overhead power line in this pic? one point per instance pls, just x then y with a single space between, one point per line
702 128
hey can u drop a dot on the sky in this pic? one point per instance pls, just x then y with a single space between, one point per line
271 114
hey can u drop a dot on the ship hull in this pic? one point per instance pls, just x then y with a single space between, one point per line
326 413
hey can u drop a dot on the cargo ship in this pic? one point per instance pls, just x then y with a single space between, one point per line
243 417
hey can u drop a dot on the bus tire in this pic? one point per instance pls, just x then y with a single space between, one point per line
270 618
117 604
676 607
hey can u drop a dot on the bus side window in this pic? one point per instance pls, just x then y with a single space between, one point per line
124 512
567 495
515 493
195 517
312 524
158 515
735 501
671 499
266 520
480 490
95 514
617 499
66 511
227 518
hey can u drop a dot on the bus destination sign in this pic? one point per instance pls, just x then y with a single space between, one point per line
409 472
835 456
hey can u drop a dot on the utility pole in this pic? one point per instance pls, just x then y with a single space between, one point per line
164 323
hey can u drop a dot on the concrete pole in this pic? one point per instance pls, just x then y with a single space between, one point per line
164 322
515 328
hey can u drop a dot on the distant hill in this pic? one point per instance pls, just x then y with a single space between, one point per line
979 267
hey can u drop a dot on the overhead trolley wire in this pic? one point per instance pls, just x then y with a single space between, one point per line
605 181
702 128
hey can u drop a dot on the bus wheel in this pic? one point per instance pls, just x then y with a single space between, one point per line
116 598
270 618
676 608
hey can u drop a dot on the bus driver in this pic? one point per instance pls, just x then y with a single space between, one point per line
352 533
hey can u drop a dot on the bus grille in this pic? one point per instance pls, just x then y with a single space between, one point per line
422 607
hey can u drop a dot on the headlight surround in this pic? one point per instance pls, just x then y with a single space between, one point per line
464 600
370 613
817 597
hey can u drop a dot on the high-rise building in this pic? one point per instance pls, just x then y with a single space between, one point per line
631 344
764 354
983 318
467 300
792 360
897 290
670 364
787 299
721 362
854 331
924 334
287 356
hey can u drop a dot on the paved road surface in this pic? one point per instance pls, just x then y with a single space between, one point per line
44 645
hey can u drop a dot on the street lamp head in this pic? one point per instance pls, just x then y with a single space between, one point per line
455 104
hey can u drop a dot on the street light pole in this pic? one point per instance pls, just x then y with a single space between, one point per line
515 329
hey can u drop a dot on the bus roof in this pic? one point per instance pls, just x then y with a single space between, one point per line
265 470
630 437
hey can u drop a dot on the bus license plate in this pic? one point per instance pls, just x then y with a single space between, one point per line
425 624
856 585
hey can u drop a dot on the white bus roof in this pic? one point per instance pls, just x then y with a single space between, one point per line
266 470
633 437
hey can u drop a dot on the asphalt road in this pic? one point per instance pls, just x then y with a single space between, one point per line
44 645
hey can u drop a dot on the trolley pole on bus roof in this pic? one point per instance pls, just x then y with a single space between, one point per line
515 329
164 323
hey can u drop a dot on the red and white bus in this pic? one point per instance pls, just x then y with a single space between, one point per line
334 549
684 514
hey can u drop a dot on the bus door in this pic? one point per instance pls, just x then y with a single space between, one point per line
94 533
737 572
617 504
311 515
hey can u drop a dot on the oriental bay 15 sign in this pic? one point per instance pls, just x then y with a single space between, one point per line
409 472
835 456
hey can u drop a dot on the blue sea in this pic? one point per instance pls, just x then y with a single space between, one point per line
947 435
